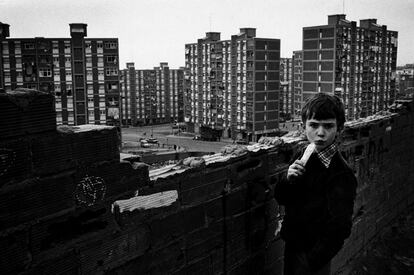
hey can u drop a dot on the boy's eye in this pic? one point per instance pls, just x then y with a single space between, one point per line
313 125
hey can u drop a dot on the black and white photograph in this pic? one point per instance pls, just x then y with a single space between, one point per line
220 137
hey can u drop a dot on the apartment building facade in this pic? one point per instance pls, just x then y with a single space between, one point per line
286 97
152 96
81 72
232 86
357 63
405 81
297 83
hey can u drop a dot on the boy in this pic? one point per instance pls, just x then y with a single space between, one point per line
319 194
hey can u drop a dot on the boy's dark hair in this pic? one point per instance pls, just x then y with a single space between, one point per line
324 106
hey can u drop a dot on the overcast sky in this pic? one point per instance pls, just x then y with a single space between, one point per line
154 31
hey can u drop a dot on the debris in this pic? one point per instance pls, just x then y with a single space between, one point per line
194 161
271 140
237 150
156 200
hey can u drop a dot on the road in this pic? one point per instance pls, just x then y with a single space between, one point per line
184 141
164 134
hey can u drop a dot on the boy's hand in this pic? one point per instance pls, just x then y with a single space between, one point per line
296 169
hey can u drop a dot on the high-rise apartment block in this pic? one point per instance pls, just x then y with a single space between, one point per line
286 96
232 86
405 81
297 83
81 72
152 96
354 62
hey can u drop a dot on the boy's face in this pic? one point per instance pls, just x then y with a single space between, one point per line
321 132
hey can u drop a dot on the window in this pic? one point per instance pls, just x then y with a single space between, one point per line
111 45
111 59
67 47
29 46
69 91
111 71
45 72
100 61
99 45
6 63
7 77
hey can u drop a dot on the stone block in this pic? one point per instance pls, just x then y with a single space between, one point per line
68 227
93 143
250 169
15 161
214 210
52 153
106 251
26 112
62 262
236 202
168 259
203 241
15 251
202 193
275 268
200 266
36 198
174 226
117 177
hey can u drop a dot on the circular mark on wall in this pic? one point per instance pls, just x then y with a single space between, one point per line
90 190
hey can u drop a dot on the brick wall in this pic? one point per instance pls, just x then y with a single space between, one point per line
63 194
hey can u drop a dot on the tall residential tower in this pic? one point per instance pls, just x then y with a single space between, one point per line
232 86
357 63
81 72
152 96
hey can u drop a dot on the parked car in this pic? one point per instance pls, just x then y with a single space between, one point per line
152 140
144 143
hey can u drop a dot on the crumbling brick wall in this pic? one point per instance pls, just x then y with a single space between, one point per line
68 204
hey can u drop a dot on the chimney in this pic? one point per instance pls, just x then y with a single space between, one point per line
249 32
4 30
335 18
366 23
212 36
78 29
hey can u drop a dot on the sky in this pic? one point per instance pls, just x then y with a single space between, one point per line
154 31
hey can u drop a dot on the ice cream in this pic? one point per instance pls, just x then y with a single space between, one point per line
308 152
